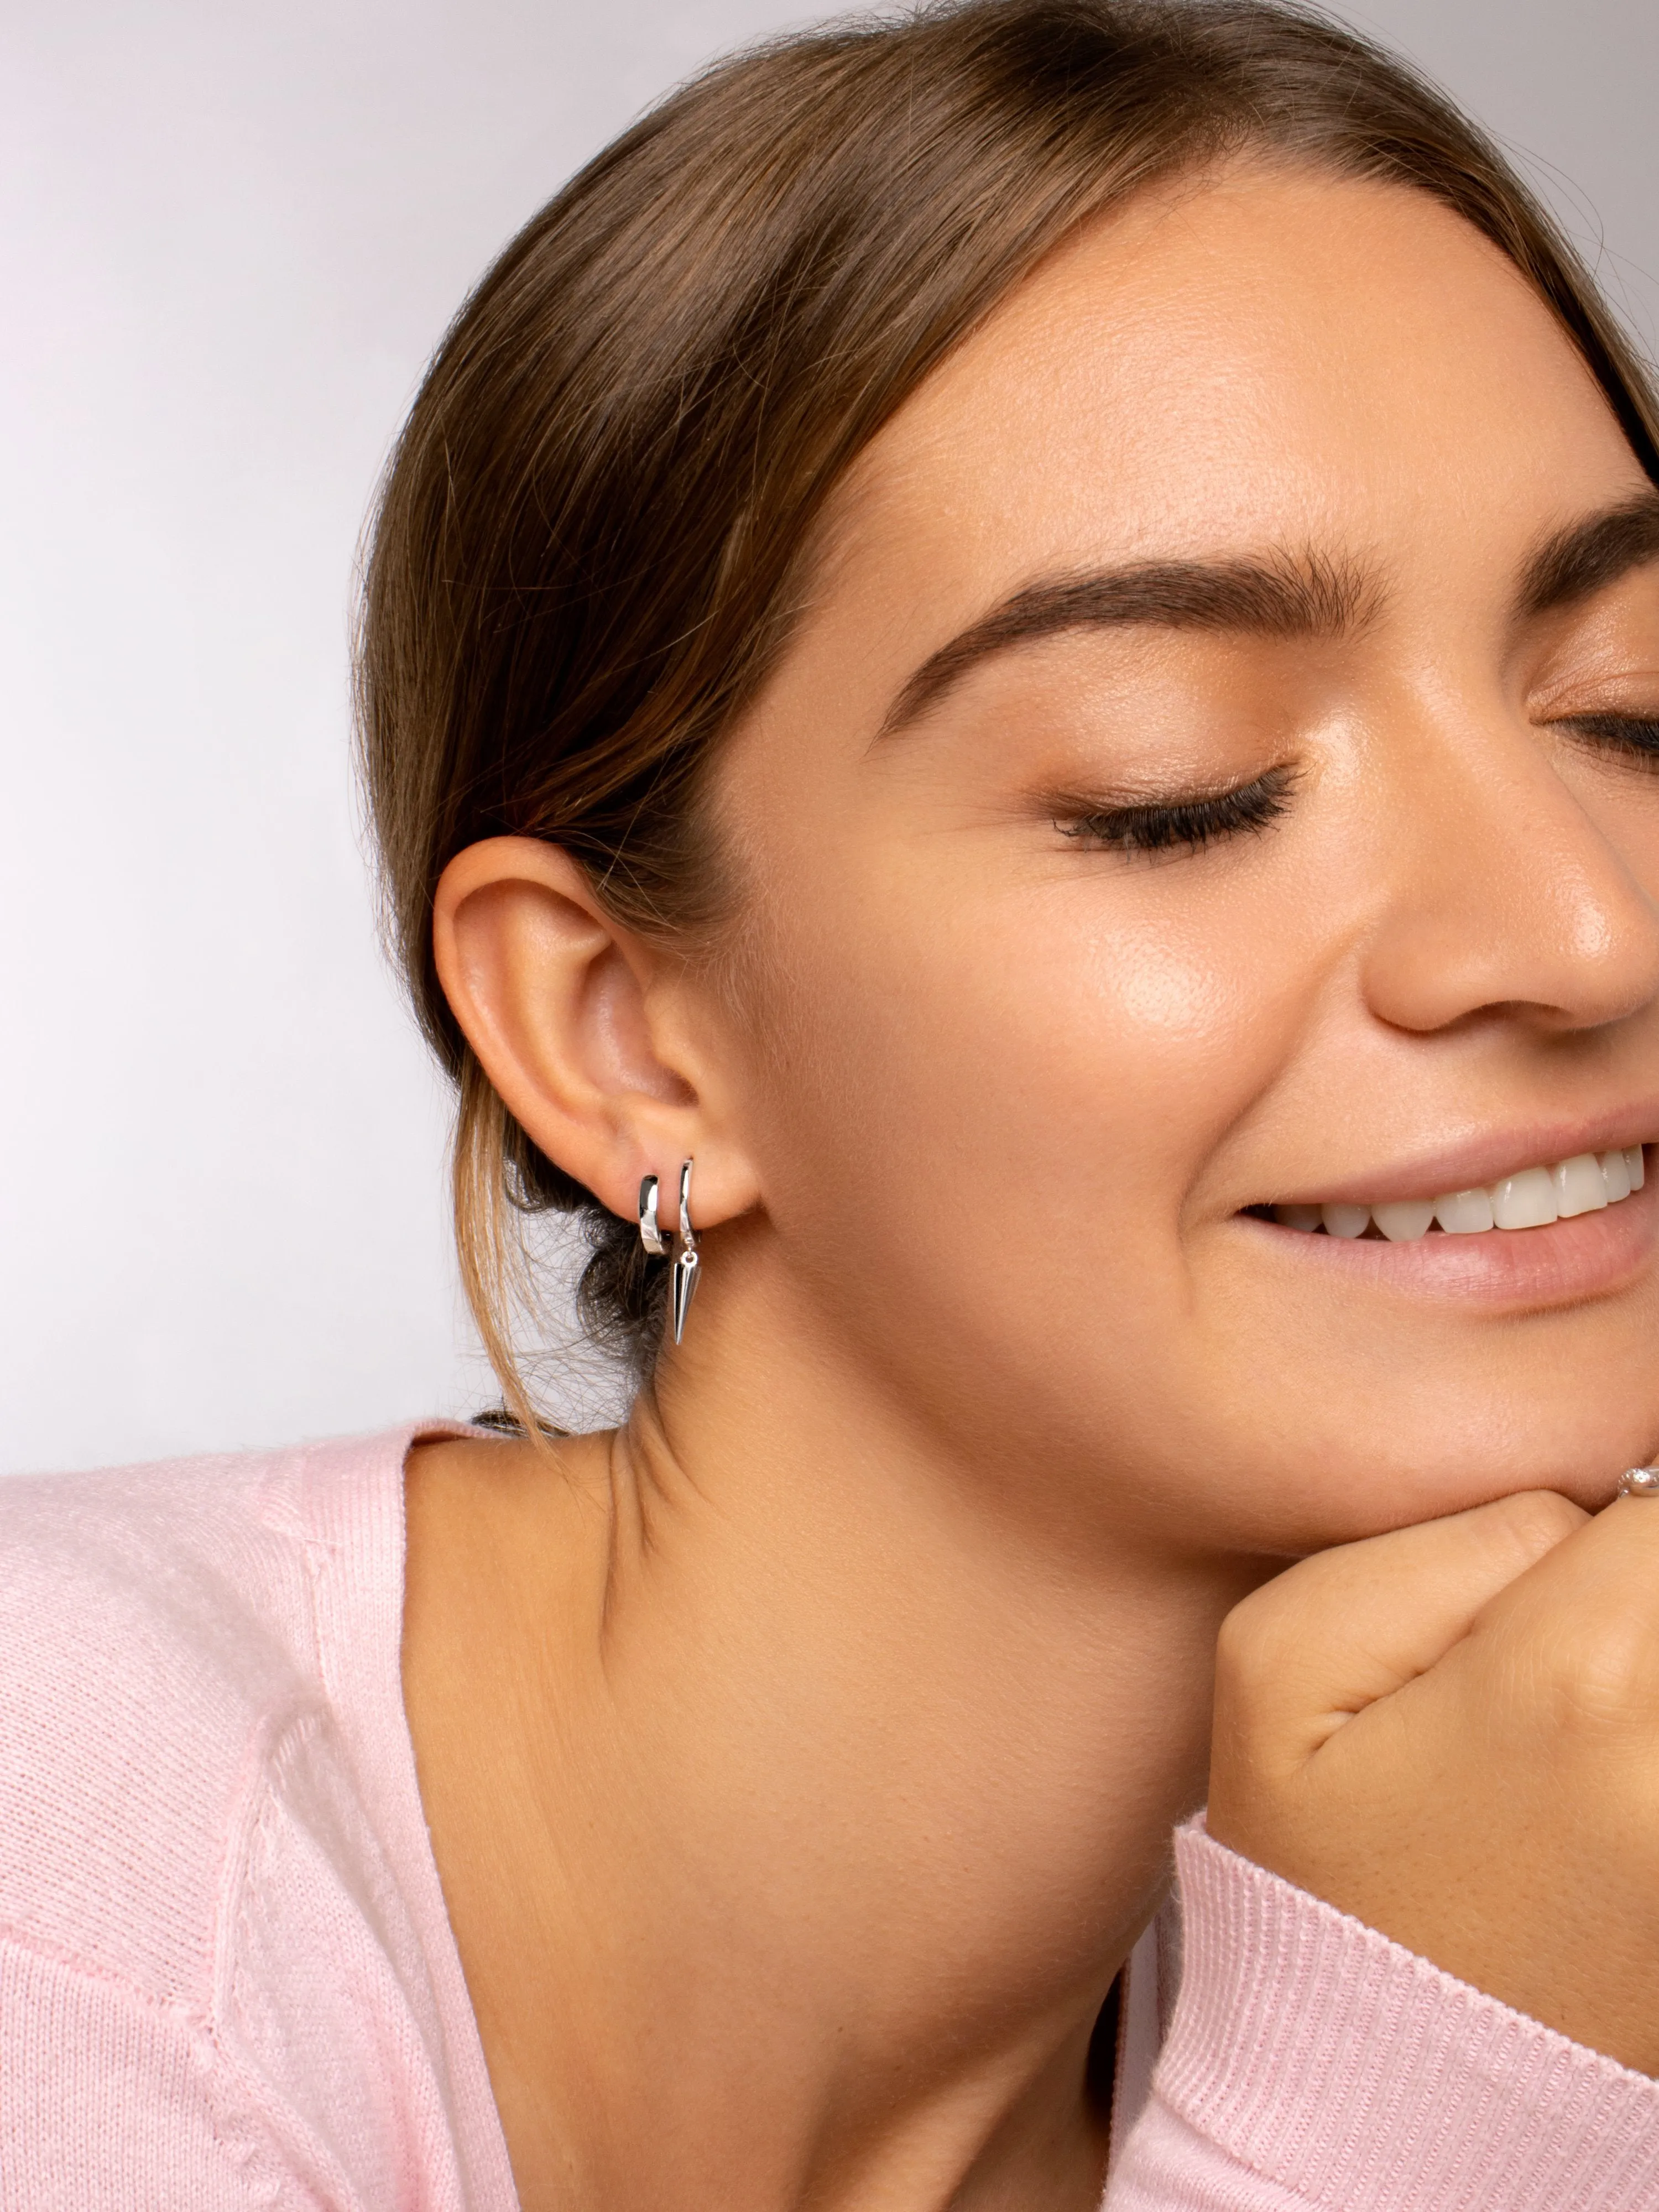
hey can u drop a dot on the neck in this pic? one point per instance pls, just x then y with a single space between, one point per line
823 1785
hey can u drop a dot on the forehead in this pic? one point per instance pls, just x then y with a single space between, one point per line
1264 356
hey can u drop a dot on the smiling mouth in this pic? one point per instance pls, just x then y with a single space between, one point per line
1532 1197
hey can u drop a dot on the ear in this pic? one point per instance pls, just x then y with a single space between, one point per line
600 1046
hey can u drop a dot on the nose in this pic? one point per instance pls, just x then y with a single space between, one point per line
1508 893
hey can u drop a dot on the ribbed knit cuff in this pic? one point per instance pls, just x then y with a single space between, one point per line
1318 2053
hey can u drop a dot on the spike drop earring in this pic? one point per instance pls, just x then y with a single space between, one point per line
686 1262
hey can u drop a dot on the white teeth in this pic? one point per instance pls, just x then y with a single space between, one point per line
1465 1212
1531 1200
1526 1200
1404 1220
1346 1220
1297 1217
1580 1186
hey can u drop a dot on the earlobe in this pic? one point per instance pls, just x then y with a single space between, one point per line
578 1024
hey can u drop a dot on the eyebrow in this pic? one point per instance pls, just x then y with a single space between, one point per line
1585 557
1272 595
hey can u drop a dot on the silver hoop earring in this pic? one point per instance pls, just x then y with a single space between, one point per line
686 1262
650 1234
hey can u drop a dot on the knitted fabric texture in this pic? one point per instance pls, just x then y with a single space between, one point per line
228 1979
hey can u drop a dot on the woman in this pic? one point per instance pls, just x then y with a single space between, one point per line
1008 674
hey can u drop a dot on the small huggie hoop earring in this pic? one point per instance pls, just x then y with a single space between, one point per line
650 1234
686 1262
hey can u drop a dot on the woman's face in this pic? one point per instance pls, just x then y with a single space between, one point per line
1215 774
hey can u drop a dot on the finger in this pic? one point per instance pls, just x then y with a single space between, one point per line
1586 1614
1335 1633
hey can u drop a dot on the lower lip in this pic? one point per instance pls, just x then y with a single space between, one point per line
1592 1255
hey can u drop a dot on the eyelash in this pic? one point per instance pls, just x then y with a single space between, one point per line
1189 824
1636 736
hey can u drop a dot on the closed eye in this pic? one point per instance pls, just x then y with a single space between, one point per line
1635 735
1188 822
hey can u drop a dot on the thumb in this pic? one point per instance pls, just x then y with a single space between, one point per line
1335 1633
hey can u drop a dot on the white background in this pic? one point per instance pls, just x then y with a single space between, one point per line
229 235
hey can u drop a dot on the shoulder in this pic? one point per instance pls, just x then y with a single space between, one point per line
224 1969
158 1644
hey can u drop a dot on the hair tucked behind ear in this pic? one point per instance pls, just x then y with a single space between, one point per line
595 529
500 1176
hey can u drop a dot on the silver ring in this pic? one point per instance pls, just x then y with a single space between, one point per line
1639 1482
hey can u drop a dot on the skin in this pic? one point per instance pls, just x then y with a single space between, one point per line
1452 1732
801 1760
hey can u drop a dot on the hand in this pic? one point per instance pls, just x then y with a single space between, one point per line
1452 1733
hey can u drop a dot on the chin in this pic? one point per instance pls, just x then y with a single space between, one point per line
1338 1488
1367 1407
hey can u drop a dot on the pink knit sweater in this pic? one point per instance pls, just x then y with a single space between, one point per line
227 1978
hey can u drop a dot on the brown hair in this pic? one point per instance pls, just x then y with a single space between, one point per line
591 537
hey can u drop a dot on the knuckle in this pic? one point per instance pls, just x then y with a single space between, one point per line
1537 1519
1601 1675
1258 1646
1249 1638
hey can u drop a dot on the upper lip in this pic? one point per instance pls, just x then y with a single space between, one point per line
1485 1158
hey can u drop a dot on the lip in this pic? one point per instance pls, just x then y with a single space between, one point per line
1515 1270
1484 1159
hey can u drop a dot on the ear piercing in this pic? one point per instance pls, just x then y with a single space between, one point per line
683 1280
650 1234
686 1262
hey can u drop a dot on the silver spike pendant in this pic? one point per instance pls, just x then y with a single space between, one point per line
683 1275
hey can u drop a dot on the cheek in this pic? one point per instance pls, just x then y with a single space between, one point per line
987 1099
1118 1050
